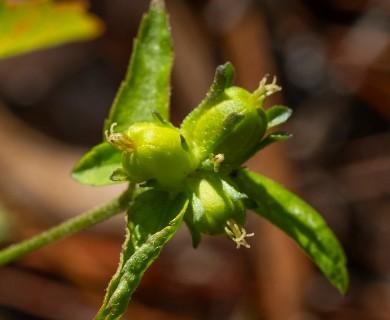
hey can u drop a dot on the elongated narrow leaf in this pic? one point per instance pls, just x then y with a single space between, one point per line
146 87
300 221
152 221
31 25
223 79
96 167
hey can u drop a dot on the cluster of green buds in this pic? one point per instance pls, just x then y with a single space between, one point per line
225 130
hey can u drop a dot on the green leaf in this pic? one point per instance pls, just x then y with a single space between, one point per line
224 77
146 87
31 25
152 221
277 115
145 91
96 167
300 221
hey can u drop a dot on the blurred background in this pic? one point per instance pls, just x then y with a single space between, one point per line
332 60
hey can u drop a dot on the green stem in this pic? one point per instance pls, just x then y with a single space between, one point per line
68 227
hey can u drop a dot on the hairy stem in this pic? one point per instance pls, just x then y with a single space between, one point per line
68 227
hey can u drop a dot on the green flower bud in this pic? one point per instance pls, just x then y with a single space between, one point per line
233 126
214 201
152 151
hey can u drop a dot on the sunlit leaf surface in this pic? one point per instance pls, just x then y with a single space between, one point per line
31 25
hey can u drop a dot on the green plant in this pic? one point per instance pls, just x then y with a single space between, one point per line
192 174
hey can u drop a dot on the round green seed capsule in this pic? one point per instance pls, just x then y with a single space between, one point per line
214 201
151 151
232 127
230 123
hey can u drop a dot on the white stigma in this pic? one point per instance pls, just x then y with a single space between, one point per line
237 234
119 140
265 90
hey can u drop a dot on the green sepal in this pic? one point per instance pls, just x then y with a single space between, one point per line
224 77
232 121
299 220
277 115
246 153
160 120
196 236
96 167
119 175
146 87
272 138
152 220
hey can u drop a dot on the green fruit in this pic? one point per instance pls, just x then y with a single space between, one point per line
232 127
214 201
155 152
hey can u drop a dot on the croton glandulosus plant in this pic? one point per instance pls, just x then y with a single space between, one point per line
192 174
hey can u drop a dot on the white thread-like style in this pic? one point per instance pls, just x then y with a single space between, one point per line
119 140
237 234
